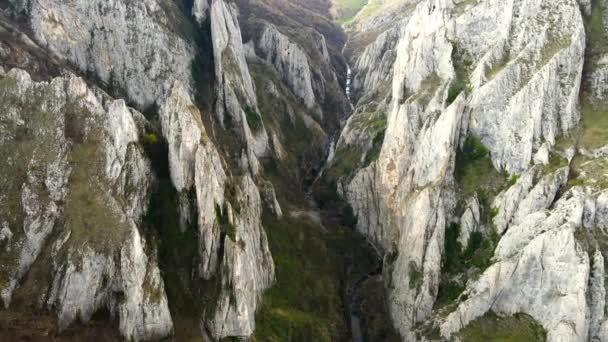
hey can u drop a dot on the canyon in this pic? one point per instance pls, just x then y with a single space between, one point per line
274 170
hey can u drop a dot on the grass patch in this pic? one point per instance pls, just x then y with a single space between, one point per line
594 117
462 6
254 120
589 172
150 138
553 48
516 328
456 87
474 170
346 162
513 179
497 68
556 162
346 10
373 154
221 214
448 293
463 65
458 260
305 303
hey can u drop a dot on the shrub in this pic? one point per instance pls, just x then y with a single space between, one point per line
494 212
150 139
254 120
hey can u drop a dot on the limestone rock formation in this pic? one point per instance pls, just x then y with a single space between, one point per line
77 180
127 45
510 75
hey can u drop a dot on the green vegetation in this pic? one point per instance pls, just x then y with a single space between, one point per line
456 87
494 212
301 143
372 7
449 292
346 162
94 218
150 138
428 89
474 170
152 292
556 162
462 67
221 215
553 48
254 120
231 194
462 5
305 302
497 68
597 35
594 128
475 174
197 69
374 152
347 9
516 328
589 172
456 261
177 251
513 179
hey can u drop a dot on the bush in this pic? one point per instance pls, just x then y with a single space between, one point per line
374 152
254 120
494 212
150 139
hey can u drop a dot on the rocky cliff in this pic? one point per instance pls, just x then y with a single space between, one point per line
479 162
205 169
78 233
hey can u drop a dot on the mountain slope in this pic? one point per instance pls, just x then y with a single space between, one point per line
477 171
250 170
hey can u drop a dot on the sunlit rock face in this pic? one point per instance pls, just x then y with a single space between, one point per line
79 180
130 46
75 191
508 74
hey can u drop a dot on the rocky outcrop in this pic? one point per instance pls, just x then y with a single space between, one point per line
543 267
538 63
509 74
236 106
78 182
200 10
247 266
291 63
374 66
232 242
234 82
130 46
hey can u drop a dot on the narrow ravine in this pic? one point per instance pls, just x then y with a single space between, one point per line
364 271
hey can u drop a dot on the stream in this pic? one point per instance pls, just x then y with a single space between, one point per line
365 260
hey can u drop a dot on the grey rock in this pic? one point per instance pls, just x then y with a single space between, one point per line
127 45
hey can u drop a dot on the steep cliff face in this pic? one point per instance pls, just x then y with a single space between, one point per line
132 47
469 144
232 241
79 179
77 182
483 184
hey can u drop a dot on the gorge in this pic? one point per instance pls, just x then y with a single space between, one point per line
314 170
